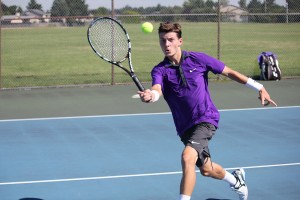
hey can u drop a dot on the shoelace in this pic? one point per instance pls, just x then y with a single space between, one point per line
238 183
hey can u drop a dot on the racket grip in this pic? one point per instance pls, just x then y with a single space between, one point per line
137 82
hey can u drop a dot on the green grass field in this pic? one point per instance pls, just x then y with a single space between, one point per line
62 56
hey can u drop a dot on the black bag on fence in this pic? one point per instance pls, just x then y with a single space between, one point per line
269 66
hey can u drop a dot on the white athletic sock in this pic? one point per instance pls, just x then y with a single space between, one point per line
184 197
229 178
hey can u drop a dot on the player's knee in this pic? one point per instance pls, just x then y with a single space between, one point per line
206 172
188 158
206 169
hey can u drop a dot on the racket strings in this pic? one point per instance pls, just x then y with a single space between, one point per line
109 40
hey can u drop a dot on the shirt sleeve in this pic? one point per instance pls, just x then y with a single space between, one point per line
212 64
157 76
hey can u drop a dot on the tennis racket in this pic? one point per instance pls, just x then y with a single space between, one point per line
110 41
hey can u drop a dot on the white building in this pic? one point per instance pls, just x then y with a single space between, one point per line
30 16
234 14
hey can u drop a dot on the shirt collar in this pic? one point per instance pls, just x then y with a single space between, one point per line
168 63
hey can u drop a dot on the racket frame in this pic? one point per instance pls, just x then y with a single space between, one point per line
130 72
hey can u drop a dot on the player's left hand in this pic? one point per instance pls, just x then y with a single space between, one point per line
265 98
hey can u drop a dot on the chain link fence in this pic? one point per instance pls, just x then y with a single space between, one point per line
53 51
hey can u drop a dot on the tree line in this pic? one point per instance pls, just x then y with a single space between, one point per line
63 8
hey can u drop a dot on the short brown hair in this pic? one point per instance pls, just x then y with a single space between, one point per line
167 27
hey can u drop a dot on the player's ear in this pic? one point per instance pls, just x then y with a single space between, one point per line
180 41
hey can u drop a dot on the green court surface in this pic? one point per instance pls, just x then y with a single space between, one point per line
107 100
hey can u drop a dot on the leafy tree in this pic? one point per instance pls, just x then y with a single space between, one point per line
14 9
11 10
200 6
294 6
68 8
255 6
101 11
243 3
210 4
171 10
4 9
190 5
134 19
60 8
269 5
77 7
34 5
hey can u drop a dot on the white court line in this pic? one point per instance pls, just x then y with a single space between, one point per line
138 114
135 175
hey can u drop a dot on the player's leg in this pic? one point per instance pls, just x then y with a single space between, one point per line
236 180
196 141
188 180
213 170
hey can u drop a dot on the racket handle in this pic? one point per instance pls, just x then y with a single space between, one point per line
137 82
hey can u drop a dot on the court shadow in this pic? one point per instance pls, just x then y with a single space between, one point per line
30 198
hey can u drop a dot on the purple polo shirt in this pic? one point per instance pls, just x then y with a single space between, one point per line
186 89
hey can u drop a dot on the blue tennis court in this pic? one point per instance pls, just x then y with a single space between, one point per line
137 156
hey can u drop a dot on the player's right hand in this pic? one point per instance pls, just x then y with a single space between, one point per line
146 95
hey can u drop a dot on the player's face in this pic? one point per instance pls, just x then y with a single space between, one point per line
170 44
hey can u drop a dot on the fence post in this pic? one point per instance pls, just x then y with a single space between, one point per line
0 44
218 37
112 66
287 12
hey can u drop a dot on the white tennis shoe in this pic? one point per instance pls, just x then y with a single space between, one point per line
240 187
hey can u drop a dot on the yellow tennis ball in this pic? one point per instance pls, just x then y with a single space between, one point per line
147 27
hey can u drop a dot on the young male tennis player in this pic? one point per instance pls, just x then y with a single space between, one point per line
182 78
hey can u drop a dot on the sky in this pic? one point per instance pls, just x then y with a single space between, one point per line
46 4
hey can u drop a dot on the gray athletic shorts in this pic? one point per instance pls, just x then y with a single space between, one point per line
198 137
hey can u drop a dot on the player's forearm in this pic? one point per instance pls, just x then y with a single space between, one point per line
238 77
157 87
234 75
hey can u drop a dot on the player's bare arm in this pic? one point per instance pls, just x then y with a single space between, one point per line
238 77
